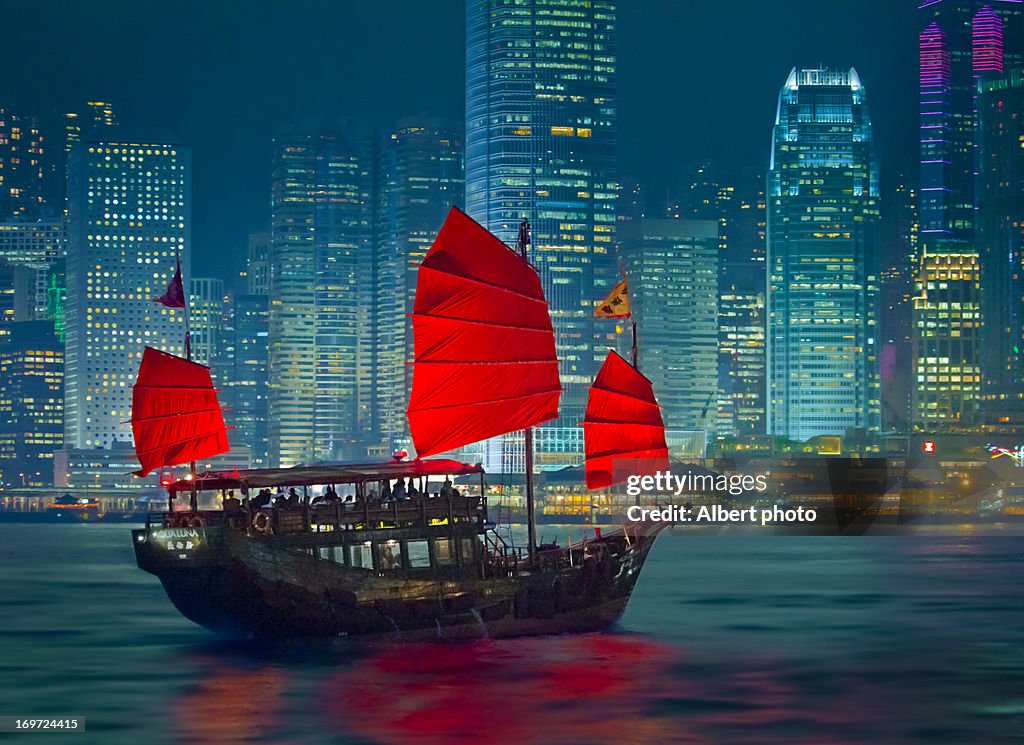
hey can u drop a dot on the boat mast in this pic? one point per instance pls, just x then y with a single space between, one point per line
635 358
194 500
523 244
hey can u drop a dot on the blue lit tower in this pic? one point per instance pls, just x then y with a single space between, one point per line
823 221
541 144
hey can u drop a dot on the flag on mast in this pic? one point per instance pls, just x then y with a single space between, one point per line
616 305
175 295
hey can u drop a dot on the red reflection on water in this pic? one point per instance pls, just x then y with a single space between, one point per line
234 705
594 688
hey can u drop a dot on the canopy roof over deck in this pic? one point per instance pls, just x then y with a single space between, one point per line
325 473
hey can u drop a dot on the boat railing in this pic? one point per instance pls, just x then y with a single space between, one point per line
501 558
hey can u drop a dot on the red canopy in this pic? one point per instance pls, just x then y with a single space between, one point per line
176 417
623 432
485 361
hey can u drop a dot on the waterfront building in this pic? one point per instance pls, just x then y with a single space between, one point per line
31 404
1000 240
541 115
823 223
22 167
246 387
321 289
129 217
947 317
672 267
420 177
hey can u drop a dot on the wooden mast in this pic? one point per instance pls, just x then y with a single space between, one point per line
194 499
523 245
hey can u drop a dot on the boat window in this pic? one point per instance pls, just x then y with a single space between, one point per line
389 555
360 556
466 547
444 552
324 553
339 554
418 553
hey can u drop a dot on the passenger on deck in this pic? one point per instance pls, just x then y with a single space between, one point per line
262 499
385 491
231 504
446 489
399 493
280 500
294 500
331 495
413 491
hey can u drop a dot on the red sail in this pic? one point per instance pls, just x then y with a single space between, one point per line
623 431
485 361
176 417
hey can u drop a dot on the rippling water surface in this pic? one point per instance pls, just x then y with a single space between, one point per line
728 639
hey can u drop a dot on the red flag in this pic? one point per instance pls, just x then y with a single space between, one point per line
175 295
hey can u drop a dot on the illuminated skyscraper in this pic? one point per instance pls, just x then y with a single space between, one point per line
420 178
37 245
673 266
321 295
246 387
823 222
129 201
207 319
961 43
257 267
79 124
31 404
541 144
1000 238
947 319
22 187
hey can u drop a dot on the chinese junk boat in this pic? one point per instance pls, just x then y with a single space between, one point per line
395 548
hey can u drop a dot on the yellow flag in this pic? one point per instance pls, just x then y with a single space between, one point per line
616 305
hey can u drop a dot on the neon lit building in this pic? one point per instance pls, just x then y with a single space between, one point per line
1000 238
130 202
823 240
541 144
962 42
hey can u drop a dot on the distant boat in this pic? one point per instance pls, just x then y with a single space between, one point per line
395 548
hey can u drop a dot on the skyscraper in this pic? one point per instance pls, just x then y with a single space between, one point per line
673 266
206 317
22 186
420 179
80 124
1000 238
31 404
246 388
541 144
946 391
321 294
37 245
129 218
823 221
961 43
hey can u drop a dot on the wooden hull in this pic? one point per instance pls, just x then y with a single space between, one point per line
242 585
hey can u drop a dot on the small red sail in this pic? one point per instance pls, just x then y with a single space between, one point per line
485 361
176 417
623 432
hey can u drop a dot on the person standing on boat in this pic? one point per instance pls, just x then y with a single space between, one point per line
446 488
400 494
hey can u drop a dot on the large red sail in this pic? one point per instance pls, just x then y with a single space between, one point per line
485 361
176 417
623 432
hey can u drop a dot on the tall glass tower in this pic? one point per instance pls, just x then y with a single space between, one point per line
962 42
320 287
823 238
540 144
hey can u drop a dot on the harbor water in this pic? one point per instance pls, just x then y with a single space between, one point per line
728 639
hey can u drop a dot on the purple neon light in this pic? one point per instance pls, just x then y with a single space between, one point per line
987 41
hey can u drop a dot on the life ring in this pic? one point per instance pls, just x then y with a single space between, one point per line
261 522
196 522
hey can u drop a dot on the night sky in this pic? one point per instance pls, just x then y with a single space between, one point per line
698 79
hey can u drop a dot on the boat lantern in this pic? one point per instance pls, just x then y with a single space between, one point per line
400 455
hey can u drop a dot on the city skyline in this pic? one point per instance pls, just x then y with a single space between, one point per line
228 84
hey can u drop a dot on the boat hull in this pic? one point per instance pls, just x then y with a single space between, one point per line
245 586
